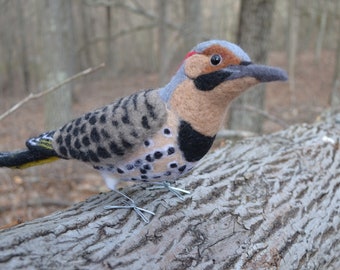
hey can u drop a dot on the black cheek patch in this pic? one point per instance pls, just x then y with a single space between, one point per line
207 82
193 144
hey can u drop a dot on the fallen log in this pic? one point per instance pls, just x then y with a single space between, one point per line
270 202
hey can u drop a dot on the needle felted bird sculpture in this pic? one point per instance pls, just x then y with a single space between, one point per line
154 135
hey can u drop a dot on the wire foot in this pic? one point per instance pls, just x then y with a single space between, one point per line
130 204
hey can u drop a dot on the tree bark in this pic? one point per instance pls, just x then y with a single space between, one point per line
270 202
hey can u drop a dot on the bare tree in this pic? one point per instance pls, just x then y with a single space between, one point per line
58 59
254 37
163 61
293 34
85 29
192 26
23 44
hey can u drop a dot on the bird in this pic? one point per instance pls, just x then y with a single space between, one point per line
155 135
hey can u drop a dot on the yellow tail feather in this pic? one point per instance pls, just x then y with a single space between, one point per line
36 163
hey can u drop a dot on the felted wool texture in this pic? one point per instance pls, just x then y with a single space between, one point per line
237 51
199 64
113 132
170 166
206 110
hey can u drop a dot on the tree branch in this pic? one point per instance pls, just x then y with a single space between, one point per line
270 202
45 92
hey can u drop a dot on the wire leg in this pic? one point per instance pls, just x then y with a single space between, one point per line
130 204
174 190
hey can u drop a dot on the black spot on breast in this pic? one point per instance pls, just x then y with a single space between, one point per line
115 123
147 143
115 107
115 149
167 131
138 163
126 119
158 155
86 141
193 144
75 131
171 150
63 128
182 168
143 171
69 128
59 140
83 128
102 152
68 140
126 144
63 150
93 120
105 134
87 116
73 153
77 144
129 167
147 167
102 119
145 122
144 177
119 170
134 134
134 100
149 107
173 165
92 155
83 156
94 135
77 122
149 158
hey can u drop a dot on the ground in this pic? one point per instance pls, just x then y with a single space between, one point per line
35 192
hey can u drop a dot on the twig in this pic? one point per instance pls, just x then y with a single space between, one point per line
40 94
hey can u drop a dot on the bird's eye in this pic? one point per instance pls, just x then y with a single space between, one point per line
215 59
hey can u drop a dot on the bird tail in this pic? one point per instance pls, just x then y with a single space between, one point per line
39 151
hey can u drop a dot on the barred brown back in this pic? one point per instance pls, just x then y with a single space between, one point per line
112 132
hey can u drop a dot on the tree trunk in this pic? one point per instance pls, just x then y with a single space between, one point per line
254 37
23 45
58 60
163 60
270 202
192 26
293 36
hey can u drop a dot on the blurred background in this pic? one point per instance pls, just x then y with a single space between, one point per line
142 43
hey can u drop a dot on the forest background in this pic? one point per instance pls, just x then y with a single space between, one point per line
44 42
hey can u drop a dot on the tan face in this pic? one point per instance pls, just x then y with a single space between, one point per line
199 64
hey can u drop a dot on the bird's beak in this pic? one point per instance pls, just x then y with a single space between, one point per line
262 73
